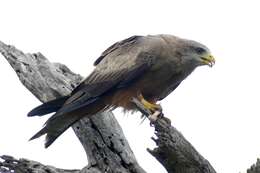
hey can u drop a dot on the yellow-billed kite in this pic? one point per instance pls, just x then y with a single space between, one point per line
147 68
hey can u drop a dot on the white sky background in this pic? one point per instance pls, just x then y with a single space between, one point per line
216 109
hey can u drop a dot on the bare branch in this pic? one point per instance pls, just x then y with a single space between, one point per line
174 152
101 136
11 164
255 168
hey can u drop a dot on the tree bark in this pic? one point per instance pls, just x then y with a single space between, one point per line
255 168
101 136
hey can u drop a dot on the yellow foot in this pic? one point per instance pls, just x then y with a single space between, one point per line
150 106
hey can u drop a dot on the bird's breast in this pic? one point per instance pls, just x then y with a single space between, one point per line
157 81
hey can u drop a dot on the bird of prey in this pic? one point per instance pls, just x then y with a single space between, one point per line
147 68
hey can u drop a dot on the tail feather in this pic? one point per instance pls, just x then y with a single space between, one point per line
48 107
53 134
38 134
56 126
62 120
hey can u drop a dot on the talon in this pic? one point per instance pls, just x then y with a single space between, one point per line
155 116
150 106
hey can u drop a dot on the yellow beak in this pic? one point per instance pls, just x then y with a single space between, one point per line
208 59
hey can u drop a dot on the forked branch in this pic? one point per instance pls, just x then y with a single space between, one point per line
101 135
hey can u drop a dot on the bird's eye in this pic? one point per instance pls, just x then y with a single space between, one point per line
199 50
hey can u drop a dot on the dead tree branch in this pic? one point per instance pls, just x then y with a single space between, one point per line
255 168
101 135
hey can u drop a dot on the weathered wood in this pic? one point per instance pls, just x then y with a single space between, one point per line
101 136
255 168
11 164
173 151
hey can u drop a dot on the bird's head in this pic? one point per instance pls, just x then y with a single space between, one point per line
195 53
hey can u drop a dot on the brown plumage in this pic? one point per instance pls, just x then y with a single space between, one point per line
151 66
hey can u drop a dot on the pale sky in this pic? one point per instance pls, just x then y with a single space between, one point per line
216 109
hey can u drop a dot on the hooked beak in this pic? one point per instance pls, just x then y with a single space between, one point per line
208 59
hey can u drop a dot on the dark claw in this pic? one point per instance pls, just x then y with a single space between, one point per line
153 117
161 115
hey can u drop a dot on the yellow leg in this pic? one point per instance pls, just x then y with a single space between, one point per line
152 107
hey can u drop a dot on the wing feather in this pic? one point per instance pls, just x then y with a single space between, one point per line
90 92
114 73
118 67
121 44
